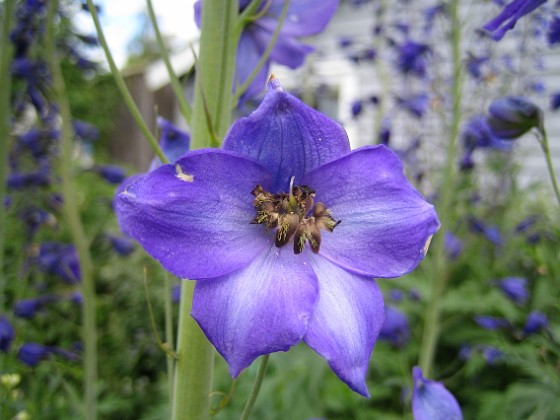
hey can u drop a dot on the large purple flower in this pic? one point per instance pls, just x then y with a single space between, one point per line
284 229
304 18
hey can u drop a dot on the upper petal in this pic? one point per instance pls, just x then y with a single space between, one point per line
248 55
304 17
194 217
346 322
258 310
385 224
287 137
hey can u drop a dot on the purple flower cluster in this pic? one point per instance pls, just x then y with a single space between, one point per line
284 229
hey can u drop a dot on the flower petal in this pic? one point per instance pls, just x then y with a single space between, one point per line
195 217
287 137
385 224
258 310
431 400
287 50
247 57
304 17
346 322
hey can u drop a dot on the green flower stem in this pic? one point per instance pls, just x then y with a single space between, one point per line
544 145
214 75
195 366
5 108
121 85
240 90
445 204
184 106
169 333
72 213
256 388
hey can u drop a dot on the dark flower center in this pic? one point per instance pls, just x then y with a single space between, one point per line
293 215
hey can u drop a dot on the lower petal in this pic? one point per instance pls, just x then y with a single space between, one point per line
346 322
258 310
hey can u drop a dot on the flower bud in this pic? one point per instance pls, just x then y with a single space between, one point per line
431 400
6 334
512 116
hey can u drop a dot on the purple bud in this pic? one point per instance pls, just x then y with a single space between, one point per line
491 354
27 308
453 245
536 321
7 333
111 174
491 323
553 34
555 101
122 245
431 400
356 108
515 288
512 116
85 131
32 353
395 328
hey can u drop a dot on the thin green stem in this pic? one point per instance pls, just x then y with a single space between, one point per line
546 150
121 85
5 109
214 78
444 204
184 106
195 365
240 90
72 213
169 333
256 388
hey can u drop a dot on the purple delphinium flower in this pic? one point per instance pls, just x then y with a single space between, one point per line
478 134
395 328
85 131
32 353
512 12
555 101
304 18
491 323
491 354
60 260
474 64
535 322
28 308
514 288
356 108
7 333
553 34
431 400
412 58
110 173
224 217
417 105
121 244
512 116
491 233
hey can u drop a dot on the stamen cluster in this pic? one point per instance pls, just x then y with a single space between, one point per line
293 215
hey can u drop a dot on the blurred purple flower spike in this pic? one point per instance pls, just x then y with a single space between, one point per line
7 333
304 18
220 215
32 353
512 12
431 400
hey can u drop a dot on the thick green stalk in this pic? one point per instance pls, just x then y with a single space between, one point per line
121 85
184 106
72 214
195 366
213 92
444 205
215 68
5 81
